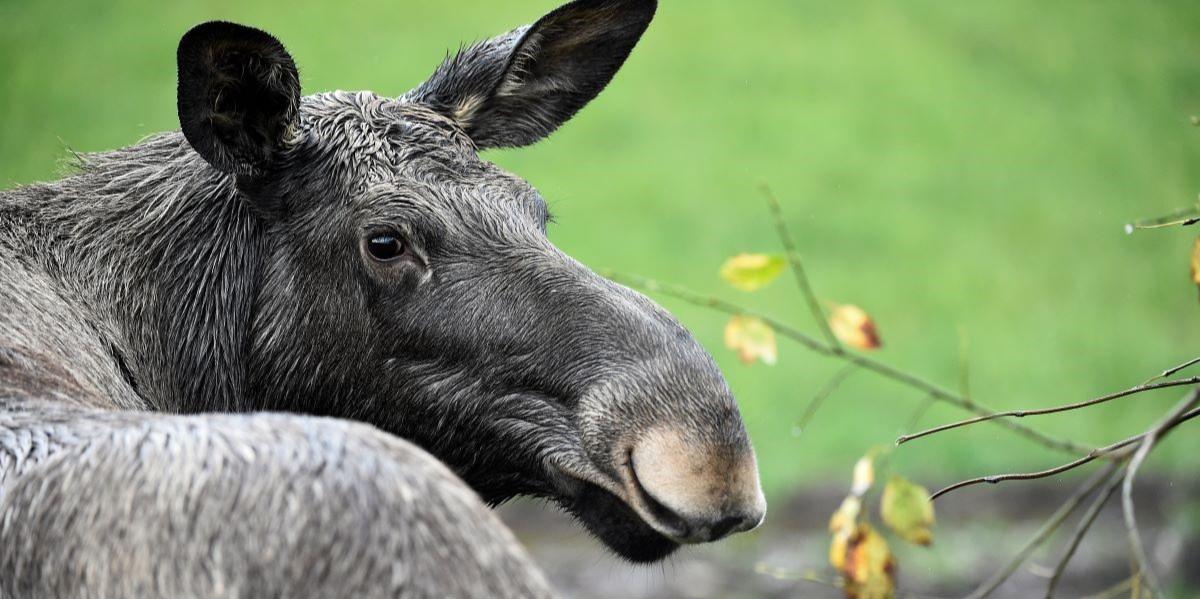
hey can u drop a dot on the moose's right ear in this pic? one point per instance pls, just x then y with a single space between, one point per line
517 88
239 94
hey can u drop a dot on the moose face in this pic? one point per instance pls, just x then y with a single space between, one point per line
406 282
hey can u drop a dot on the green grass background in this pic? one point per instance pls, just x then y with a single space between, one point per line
958 169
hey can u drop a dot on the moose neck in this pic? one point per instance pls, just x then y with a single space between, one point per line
160 250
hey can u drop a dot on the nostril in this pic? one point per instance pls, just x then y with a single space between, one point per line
692 493
663 514
691 530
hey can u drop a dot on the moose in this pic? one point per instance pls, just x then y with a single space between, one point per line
300 346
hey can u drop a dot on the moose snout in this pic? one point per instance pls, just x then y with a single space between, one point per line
694 491
662 433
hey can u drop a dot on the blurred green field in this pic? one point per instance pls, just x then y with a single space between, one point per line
958 169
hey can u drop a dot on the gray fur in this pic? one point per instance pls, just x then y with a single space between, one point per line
120 504
225 270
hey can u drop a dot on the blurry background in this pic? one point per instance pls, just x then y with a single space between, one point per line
960 170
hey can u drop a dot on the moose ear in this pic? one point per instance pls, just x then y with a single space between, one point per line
239 93
517 88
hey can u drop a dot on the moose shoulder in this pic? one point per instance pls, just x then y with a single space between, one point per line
344 256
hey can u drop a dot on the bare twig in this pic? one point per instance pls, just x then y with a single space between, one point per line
720 305
1085 524
999 478
1184 217
830 386
787 574
815 345
1064 408
1114 591
946 396
1172 370
793 256
920 411
1171 420
1045 531
1107 450
964 364
812 577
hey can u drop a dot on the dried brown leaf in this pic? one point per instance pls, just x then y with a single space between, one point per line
854 327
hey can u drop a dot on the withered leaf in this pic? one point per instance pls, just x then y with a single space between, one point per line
868 569
907 509
864 475
751 338
854 327
842 525
1196 262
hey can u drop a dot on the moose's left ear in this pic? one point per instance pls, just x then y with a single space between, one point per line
515 89
239 93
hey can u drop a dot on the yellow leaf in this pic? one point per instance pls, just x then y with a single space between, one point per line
854 327
907 509
842 524
864 475
837 549
1196 262
751 338
846 516
868 569
750 272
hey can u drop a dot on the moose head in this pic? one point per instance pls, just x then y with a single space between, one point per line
400 279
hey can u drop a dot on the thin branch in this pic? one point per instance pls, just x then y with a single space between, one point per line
964 363
920 411
812 577
947 396
1174 369
720 305
830 386
999 478
1045 531
1064 408
815 345
1177 415
1114 591
785 237
1085 524
785 574
1108 450
1182 222
1184 217
1136 550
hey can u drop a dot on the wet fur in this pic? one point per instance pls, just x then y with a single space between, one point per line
211 276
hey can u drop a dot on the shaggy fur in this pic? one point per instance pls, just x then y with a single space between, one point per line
229 269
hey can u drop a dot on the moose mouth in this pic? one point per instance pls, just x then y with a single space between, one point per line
624 515
619 526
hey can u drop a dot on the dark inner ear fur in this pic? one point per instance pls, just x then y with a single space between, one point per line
517 88
239 93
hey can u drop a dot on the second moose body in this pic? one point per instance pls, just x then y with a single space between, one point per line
342 256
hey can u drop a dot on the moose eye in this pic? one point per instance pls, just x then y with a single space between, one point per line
385 247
